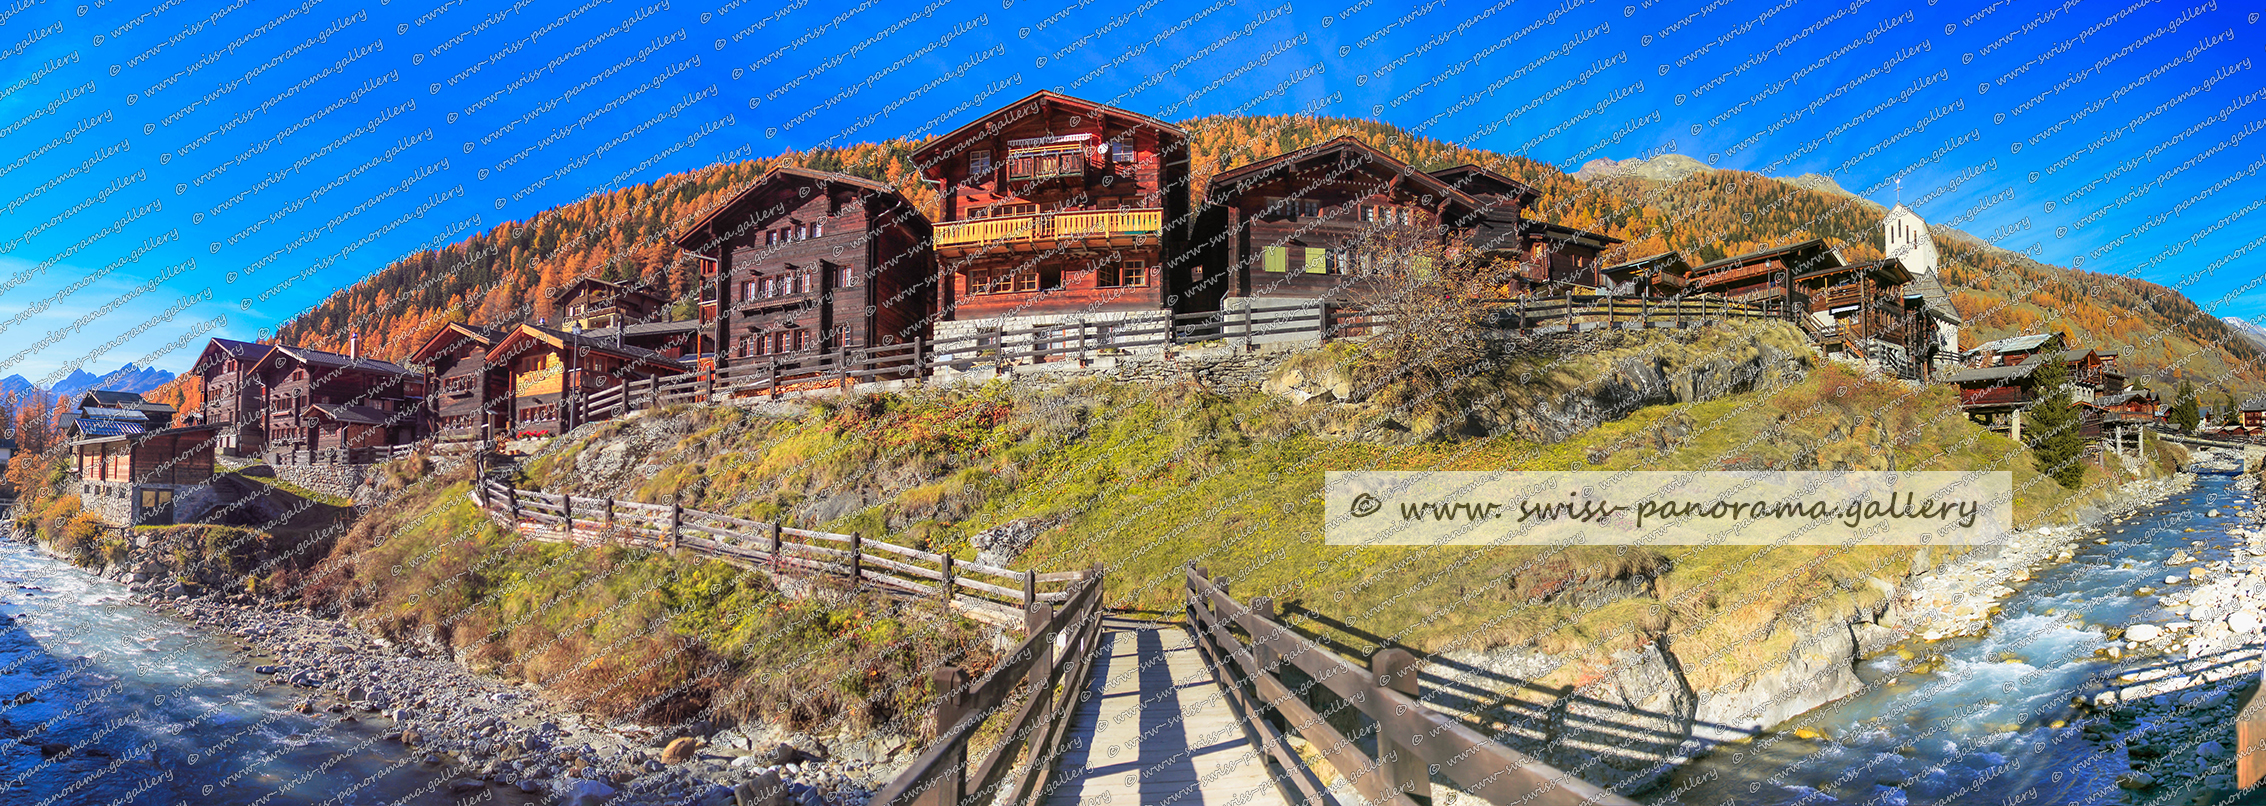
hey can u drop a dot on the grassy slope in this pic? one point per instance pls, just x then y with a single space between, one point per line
626 633
1146 480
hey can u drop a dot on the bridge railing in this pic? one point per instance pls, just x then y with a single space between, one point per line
1000 596
1051 666
1411 737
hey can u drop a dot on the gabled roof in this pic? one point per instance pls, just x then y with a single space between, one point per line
248 352
1779 253
1930 292
1478 181
90 427
921 154
1537 230
324 358
2016 344
452 334
1967 375
1338 146
782 174
2140 394
358 415
135 415
1889 270
94 438
579 284
589 340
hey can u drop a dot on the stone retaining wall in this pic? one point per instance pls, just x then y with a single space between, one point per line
338 480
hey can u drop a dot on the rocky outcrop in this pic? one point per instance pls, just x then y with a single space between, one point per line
1552 388
1818 669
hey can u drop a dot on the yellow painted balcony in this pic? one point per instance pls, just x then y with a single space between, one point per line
1120 227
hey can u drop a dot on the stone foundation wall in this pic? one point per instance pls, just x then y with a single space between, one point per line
112 502
338 480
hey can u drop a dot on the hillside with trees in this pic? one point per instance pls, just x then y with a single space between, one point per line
508 273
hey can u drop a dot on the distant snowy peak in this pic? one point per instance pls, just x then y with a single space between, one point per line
2255 333
128 378
1665 168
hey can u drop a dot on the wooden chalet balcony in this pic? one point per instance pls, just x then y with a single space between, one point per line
1839 296
1046 230
1994 396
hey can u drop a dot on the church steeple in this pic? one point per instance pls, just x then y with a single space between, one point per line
1905 237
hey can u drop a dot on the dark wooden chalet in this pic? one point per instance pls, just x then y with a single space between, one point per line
235 394
550 373
1057 206
1498 229
1766 277
104 413
1301 225
2094 374
1662 275
594 303
2015 350
1852 304
1560 259
299 379
1995 396
2253 414
132 479
808 262
465 391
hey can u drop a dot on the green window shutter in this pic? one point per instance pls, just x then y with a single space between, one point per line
1278 259
1317 260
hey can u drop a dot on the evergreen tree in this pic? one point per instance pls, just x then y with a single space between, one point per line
2185 413
2233 415
2053 426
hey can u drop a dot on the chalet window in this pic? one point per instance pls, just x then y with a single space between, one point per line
1121 149
979 165
1043 161
1027 281
1309 207
749 291
802 339
1317 260
1277 259
1130 274
849 276
818 230
770 237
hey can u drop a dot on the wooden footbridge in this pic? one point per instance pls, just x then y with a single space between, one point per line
1228 707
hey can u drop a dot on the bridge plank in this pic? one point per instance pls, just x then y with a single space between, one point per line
1157 728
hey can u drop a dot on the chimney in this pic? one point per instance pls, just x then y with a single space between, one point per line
353 345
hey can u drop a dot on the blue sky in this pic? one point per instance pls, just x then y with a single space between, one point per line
172 171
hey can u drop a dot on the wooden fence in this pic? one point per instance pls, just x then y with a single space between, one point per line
1005 600
1249 652
1051 667
1580 312
1083 341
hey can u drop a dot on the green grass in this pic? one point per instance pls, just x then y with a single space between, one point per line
1146 480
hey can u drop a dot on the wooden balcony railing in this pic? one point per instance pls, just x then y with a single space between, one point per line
1994 396
1051 226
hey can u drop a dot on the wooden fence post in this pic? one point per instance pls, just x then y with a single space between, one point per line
1263 607
1402 768
1030 590
566 511
945 585
676 523
511 498
771 382
1323 322
776 565
920 358
1246 328
946 788
857 558
609 513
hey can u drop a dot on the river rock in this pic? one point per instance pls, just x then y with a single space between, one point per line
679 750
2243 622
2143 633
587 792
2136 780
